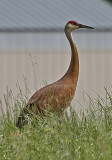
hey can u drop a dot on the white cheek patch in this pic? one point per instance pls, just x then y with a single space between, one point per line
72 26
75 27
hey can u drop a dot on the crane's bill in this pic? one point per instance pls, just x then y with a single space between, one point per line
84 26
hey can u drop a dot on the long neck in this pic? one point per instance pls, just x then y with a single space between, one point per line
73 70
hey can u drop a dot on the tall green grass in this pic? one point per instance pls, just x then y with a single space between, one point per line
88 137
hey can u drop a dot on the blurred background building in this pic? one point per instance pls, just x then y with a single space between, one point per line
33 44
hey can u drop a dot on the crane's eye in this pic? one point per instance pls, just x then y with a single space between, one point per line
71 22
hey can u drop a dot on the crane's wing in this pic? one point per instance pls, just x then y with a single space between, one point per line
53 95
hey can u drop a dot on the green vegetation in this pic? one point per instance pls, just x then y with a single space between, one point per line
88 137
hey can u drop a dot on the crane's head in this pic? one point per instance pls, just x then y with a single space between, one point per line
72 25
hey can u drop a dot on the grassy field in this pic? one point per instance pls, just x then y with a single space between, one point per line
59 138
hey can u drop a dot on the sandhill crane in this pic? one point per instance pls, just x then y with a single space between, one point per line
56 96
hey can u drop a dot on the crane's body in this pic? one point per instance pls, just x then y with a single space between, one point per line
58 95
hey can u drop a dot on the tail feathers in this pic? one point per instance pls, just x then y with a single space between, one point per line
23 118
22 121
26 114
